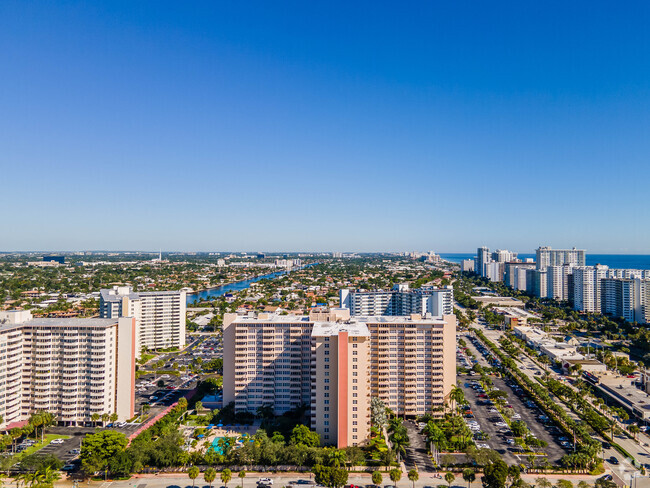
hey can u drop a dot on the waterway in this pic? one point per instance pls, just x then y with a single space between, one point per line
237 286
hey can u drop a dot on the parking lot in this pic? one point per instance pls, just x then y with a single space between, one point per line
500 438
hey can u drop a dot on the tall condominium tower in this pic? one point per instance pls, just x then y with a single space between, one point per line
160 315
333 364
73 368
399 301
558 257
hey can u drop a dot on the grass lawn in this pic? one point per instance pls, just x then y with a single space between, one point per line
46 440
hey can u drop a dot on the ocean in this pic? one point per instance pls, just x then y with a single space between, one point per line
616 261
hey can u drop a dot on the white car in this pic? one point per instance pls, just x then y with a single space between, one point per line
501 424
58 441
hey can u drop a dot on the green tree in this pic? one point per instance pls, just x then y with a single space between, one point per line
226 475
395 475
209 475
469 475
376 478
242 475
449 477
193 473
98 448
495 474
302 436
413 476
542 483
564 484
336 457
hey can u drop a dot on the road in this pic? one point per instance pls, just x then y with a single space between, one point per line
624 471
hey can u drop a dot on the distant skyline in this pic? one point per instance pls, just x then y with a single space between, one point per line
325 126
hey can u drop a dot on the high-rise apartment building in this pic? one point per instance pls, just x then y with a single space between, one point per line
587 287
73 368
558 281
628 298
160 316
334 363
516 271
399 301
482 258
468 265
340 379
558 257
503 256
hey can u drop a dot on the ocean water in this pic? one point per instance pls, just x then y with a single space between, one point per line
616 261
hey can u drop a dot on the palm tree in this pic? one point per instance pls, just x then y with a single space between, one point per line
226 475
113 417
209 475
457 396
469 475
105 418
634 430
399 440
413 476
242 475
95 418
337 458
193 473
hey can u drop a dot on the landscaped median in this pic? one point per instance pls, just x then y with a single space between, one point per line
587 449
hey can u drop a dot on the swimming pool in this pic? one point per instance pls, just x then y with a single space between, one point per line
215 445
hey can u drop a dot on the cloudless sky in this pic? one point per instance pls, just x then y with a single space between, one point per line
359 126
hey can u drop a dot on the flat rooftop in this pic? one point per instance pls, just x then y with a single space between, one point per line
326 329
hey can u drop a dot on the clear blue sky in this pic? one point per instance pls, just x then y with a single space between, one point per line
324 125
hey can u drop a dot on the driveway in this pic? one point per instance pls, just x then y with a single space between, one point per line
416 451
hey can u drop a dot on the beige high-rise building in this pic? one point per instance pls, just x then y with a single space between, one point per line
333 364
340 394
72 368
413 361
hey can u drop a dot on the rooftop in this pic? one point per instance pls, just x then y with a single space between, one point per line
354 329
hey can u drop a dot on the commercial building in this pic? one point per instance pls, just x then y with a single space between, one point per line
72 368
160 316
399 301
335 363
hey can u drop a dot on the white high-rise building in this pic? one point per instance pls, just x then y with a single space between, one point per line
557 257
160 315
399 301
587 287
627 298
467 265
503 256
558 281
72 368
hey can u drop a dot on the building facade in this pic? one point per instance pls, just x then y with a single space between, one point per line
334 364
160 315
557 257
72 368
399 301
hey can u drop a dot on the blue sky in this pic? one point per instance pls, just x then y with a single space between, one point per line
361 126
